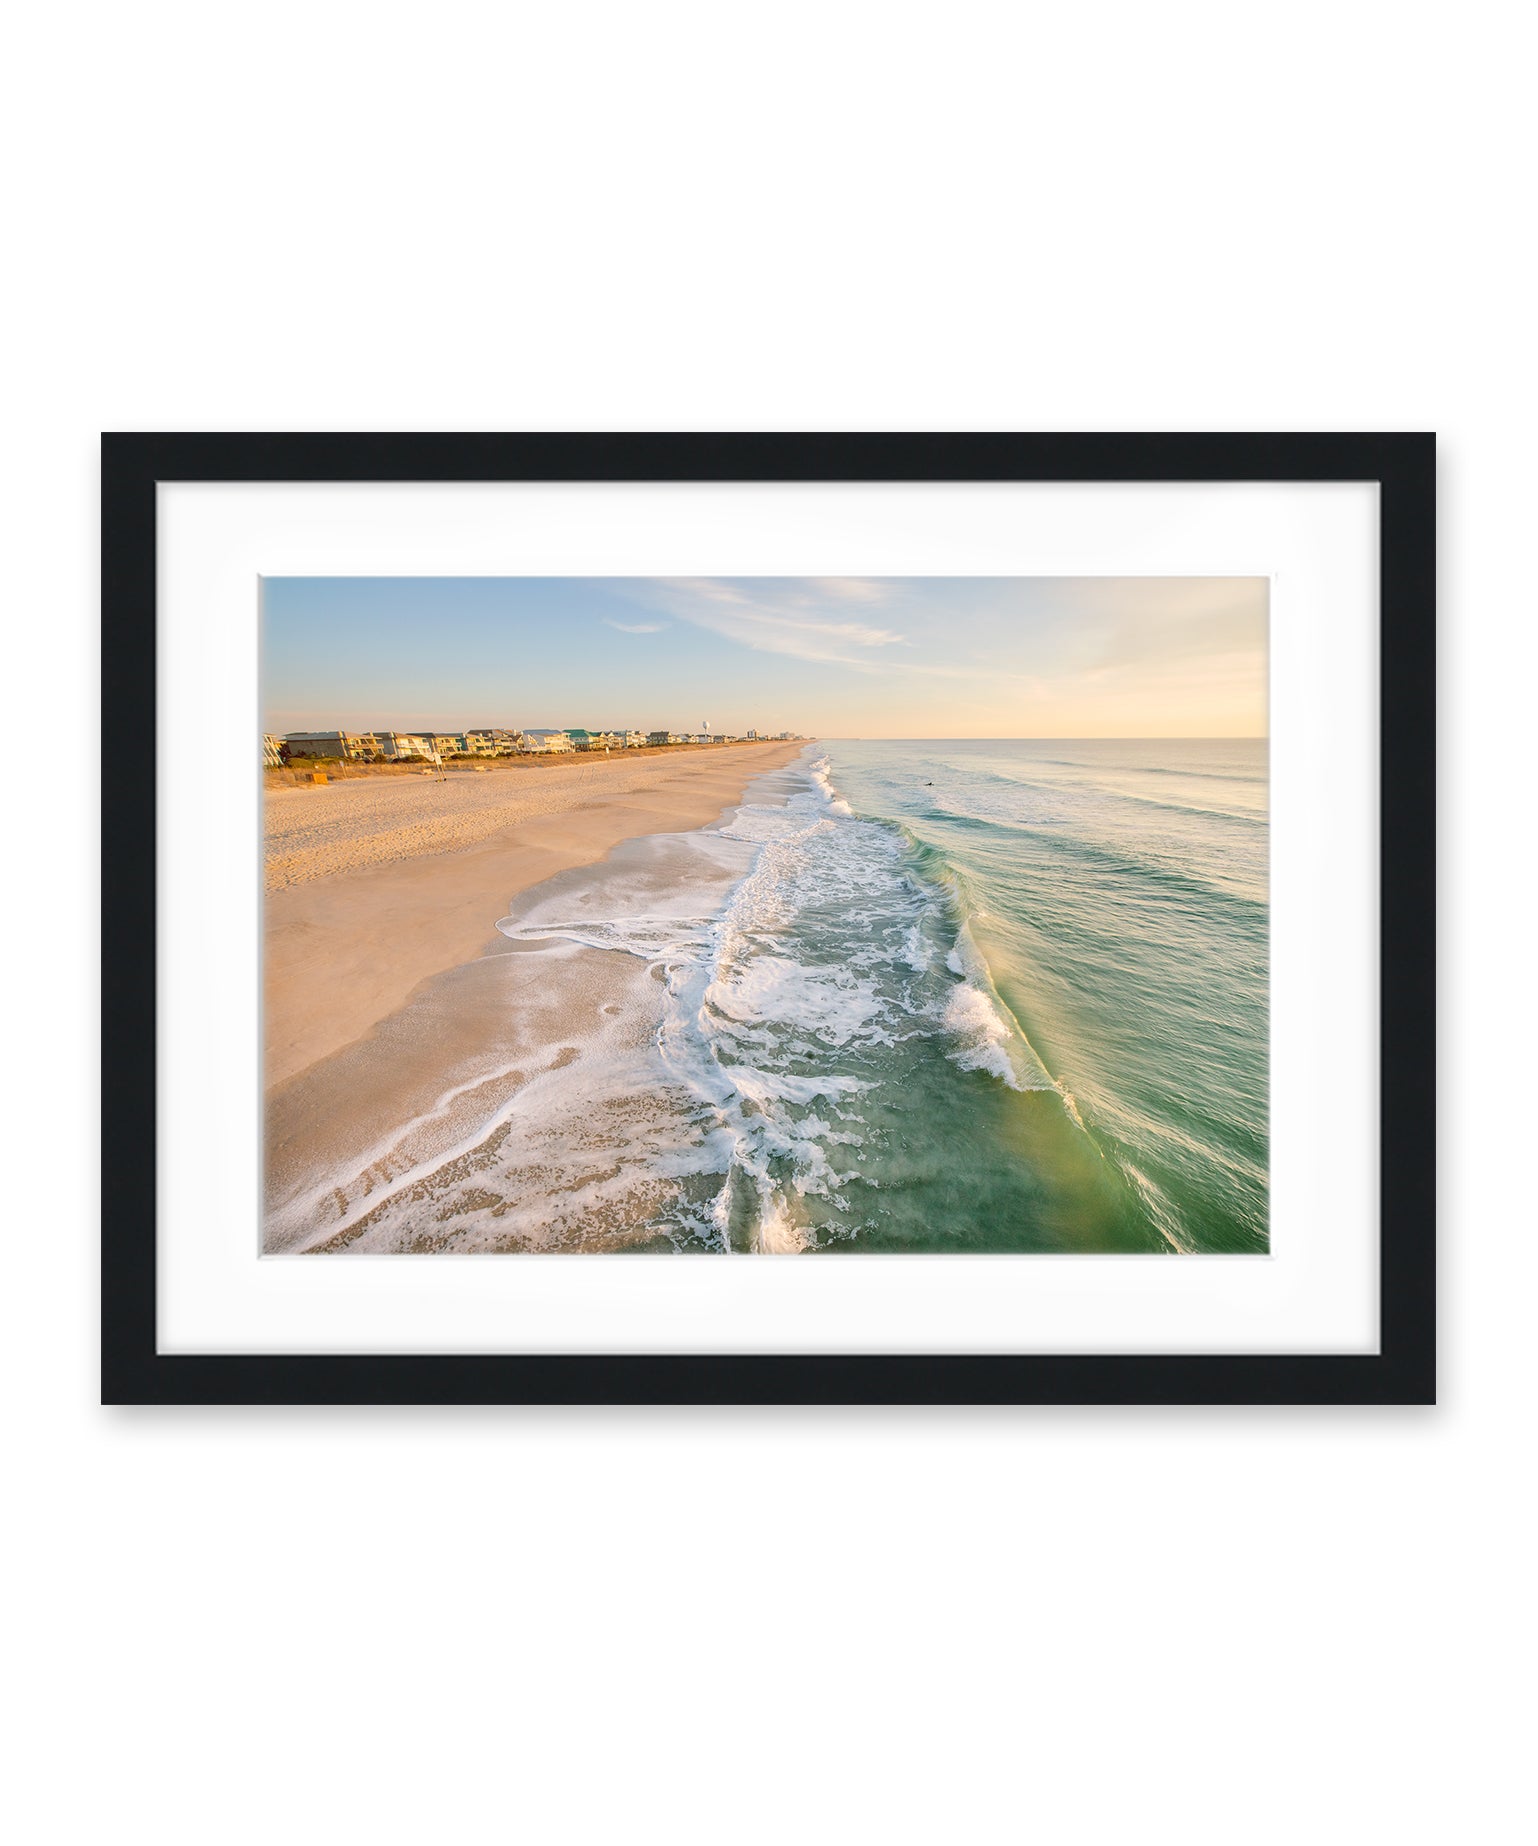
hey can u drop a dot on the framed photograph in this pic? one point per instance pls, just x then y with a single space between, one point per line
769 918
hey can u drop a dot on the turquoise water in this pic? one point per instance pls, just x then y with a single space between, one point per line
1116 896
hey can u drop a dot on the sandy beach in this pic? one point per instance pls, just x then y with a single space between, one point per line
375 885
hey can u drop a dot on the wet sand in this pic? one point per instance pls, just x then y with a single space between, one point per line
350 1129
345 948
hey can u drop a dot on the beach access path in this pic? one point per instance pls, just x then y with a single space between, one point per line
377 883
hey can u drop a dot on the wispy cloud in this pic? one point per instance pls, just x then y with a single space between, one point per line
851 589
785 621
637 628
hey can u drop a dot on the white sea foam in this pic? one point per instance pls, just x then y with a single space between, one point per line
986 1035
773 990
981 1037
916 951
820 770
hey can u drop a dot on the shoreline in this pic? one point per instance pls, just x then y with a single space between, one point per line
345 948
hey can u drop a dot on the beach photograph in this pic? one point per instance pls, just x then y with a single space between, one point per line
787 916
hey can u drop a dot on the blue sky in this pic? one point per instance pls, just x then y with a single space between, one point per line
832 657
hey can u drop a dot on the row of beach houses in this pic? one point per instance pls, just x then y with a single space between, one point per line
488 740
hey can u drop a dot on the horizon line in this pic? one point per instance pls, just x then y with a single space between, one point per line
1064 737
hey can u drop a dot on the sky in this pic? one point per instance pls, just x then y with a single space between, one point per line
825 656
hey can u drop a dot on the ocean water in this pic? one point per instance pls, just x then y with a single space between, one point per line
908 997
1111 899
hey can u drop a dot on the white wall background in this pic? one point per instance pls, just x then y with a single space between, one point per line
1066 1626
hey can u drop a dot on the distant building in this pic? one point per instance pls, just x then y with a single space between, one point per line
490 740
580 739
272 752
335 746
656 738
634 740
403 746
752 737
542 742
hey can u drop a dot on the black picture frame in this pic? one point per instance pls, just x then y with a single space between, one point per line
1402 1372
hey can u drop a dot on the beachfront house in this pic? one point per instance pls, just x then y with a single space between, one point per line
272 752
330 746
540 742
403 746
490 740
448 743
634 740
580 739
665 737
